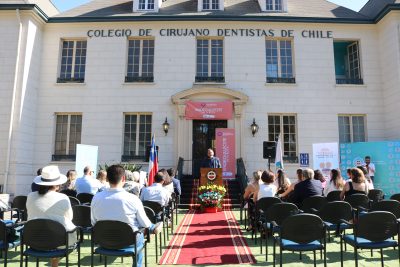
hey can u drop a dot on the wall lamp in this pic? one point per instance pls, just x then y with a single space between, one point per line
254 127
165 126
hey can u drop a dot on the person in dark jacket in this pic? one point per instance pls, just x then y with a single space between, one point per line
176 182
306 188
210 161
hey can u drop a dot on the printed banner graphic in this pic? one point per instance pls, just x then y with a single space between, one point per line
225 151
326 157
384 155
208 110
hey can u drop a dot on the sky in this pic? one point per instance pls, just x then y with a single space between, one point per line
64 5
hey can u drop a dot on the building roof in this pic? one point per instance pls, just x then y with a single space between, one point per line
373 7
177 8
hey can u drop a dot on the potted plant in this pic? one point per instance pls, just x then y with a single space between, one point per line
210 197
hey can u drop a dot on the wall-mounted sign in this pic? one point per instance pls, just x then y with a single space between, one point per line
209 110
304 160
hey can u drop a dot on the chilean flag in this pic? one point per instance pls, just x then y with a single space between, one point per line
153 162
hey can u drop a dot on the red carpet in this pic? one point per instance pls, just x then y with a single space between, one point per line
208 238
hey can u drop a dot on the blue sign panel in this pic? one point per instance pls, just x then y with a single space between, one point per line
304 160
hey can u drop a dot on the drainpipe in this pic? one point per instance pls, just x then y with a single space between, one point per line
10 129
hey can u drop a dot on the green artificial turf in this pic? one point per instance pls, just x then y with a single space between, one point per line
290 259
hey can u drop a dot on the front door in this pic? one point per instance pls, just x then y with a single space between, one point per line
203 139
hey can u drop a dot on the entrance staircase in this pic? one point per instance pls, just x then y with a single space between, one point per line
190 185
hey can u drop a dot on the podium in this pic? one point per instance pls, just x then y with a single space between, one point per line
211 175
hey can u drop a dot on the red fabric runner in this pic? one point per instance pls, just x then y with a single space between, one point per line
208 238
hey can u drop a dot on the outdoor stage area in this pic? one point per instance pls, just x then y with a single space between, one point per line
207 239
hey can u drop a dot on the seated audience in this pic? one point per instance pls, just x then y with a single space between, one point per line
336 182
132 182
47 203
71 179
307 188
176 183
35 187
156 192
116 204
318 175
267 188
281 181
87 183
286 195
102 178
168 185
253 186
367 177
357 185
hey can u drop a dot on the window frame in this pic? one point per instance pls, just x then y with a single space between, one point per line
280 79
351 126
146 3
209 77
349 80
140 78
125 157
67 156
210 4
72 79
274 4
286 159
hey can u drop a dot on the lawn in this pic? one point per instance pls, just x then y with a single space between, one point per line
290 259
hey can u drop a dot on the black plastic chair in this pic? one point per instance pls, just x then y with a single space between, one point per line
154 219
275 216
85 198
313 202
374 230
82 219
160 213
6 241
392 206
395 197
302 232
262 205
43 238
376 195
332 213
74 201
69 192
19 203
117 239
334 196
359 203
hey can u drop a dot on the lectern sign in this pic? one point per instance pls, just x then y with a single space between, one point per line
211 175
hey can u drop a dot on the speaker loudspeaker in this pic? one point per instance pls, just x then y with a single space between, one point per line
269 150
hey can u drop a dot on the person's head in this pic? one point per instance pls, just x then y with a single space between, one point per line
348 171
88 170
268 177
116 175
357 176
71 175
102 176
299 174
171 172
319 176
257 176
210 153
281 177
365 172
128 175
50 179
308 174
159 178
39 172
367 160
136 176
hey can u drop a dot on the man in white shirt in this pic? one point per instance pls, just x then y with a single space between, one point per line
87 183
116 204
370 167
156 192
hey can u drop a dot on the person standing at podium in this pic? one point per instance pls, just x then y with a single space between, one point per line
210 161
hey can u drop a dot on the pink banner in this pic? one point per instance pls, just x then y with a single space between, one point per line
225 151
208 110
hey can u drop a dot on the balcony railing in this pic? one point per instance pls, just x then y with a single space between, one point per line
206 79
70 80
63 157
131 79
290 159
349 81
127 158
280 80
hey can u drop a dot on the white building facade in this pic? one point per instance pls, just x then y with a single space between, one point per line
109 73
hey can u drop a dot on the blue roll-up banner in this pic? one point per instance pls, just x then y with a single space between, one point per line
385 156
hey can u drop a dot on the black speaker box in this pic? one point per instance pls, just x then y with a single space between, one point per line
269 150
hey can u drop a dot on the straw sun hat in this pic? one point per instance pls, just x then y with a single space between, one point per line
50 176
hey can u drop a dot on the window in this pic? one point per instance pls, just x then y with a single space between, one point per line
347 62
140 61
137 136
274 5
146 4
210 4
73 61
279 59
352 128
285 125
210 60
68 135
